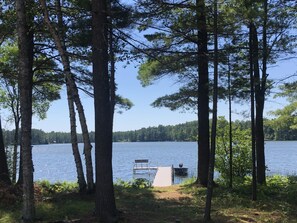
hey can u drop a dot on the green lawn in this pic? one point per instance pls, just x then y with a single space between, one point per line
185 203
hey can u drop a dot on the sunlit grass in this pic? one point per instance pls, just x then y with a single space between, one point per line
138 202
7 217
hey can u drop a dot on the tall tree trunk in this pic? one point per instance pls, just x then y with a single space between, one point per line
251 60
75 150
214 121
260 100
59 38
17 120
230 129
105 202
4 173
203 98
112 64
259 97
15 151
85 135
25 80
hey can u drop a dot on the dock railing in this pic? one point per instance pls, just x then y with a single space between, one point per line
143 164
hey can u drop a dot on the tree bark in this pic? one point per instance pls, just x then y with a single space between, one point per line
259 98
15 150
20 179
25 80
75 150
60 43
210 183
105 207
230 128
4 173
85 134
15 108
112 65
203 96
260 101
251 61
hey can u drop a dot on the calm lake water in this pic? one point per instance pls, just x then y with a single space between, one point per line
55 162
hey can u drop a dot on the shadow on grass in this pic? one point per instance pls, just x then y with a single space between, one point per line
276 201
178 203
154 205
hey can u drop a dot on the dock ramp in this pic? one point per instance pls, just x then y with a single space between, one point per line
164 177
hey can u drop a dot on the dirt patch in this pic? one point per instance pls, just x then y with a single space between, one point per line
171 193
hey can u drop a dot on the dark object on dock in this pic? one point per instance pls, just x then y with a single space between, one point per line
181 171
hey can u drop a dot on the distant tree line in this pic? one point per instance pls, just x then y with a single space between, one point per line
181 132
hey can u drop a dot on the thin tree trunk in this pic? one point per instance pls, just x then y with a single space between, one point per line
77 101
15 151
75 150
4 173
230 128
15 107
25 43
85 135
203 98
260 100
112 65
105 206
251 60
60 43
20 179
210 183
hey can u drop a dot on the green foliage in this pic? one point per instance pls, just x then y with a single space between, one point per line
46 86
185 98
189 181
181 132
139 183
280 187
288 90
285 122
46 188
147 72
286 117
122 104
277 203
241 144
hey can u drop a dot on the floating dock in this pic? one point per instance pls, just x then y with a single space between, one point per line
164 177
142 164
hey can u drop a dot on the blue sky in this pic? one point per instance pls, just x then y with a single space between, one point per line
142 114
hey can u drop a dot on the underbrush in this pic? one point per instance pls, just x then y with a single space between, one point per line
138 201
45 188
136 183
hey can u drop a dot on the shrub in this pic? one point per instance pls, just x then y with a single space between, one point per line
136 183
242 158
47 188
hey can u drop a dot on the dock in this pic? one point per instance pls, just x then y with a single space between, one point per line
164 177
142 164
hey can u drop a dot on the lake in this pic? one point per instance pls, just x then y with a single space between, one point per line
55 162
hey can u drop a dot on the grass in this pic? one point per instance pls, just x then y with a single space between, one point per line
138 202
